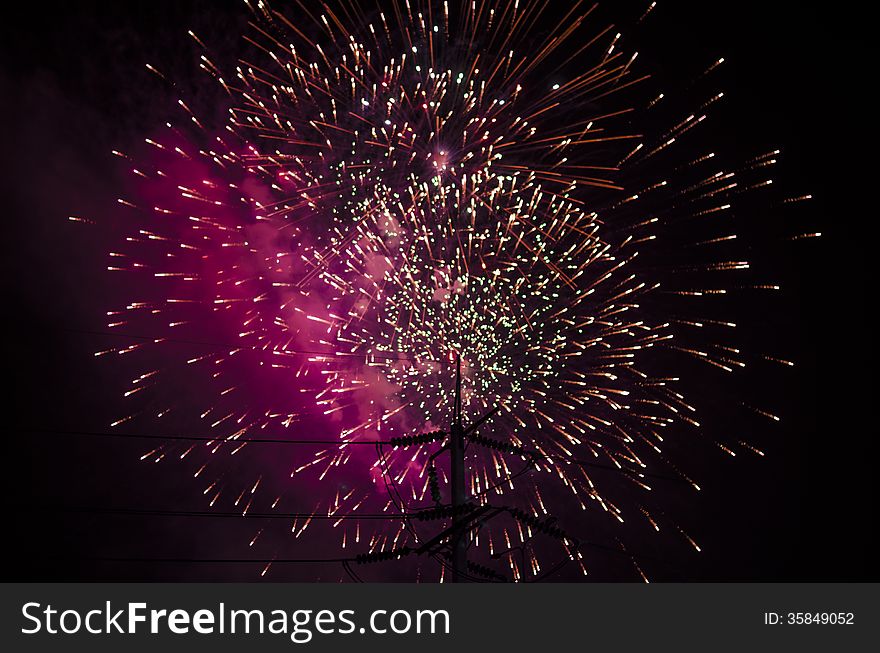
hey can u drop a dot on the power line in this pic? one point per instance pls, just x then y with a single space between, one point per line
224 345
198 560
160 512
201 438
221 439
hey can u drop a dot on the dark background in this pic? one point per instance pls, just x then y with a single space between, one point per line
74 87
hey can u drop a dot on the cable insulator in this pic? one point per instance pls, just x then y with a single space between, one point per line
434 484
542 526
443 512
366 558
484 572
497 445
421 438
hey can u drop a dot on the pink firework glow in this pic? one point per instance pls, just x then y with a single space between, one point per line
391 188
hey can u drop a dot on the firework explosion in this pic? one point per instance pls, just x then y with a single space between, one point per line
394 189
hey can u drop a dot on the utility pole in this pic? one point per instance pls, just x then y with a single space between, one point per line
462 514
457 479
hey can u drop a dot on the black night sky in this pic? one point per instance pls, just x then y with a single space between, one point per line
74 87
